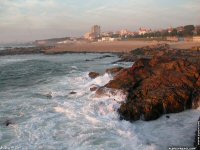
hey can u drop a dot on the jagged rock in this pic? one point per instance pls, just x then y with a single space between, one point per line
93 75
157 86
8 122
149 52
93 88
114 70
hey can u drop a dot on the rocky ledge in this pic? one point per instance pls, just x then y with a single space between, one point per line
158 85
25 50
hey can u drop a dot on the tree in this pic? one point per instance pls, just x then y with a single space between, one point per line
188 30
174 32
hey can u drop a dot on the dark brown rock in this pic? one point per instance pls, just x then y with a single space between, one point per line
72 93
93 88
93 75
157 86
114 70
8 122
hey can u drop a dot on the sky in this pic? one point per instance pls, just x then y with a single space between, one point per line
29 20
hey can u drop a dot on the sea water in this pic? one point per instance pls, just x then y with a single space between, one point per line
35 96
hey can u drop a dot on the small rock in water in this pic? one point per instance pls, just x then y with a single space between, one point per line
93 75
72 92
93 89
8 122
168 117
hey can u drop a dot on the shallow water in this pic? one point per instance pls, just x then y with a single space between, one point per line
76 121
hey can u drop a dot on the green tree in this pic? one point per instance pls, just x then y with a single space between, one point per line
174 32
188 30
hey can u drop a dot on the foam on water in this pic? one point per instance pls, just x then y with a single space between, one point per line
84 120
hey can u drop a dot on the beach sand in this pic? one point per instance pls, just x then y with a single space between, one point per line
114 47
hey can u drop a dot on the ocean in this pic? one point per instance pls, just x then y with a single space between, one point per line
79 121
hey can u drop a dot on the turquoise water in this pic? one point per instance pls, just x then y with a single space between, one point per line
75 121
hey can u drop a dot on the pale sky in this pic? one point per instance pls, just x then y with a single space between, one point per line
27 20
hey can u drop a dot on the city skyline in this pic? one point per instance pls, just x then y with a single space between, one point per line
23 20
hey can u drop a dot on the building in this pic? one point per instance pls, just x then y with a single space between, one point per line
95 33
89 36
196 30
106 34
125 32
170 30
180 29
196 38
96 30
108 39
143 31
172 38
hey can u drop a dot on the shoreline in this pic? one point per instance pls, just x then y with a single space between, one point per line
117 47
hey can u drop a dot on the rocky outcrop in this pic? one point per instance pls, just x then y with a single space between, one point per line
114 71
149 52
93 88
156 86
93 75
25 50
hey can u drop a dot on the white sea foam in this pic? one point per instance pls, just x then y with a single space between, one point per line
83 121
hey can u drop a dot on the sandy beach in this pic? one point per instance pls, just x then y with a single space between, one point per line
114 47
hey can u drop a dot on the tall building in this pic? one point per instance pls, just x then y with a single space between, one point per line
94 33
96 30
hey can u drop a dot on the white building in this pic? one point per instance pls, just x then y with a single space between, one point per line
196 38
143 31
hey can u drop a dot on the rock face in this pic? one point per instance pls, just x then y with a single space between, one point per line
25 50
93 75
156 86
161 50
114 71
93 88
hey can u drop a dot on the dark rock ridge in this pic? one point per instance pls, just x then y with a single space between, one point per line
157 86
160 50
25 50
114 71
72 93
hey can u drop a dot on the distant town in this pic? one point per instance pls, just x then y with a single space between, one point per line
174 34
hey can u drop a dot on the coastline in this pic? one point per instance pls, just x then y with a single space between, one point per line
95 47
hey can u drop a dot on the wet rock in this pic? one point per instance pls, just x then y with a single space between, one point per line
102 57
93 88
72 93
89 60
167 117
8 122
49 95
93 75
157 86
101 92
149 52
114 70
